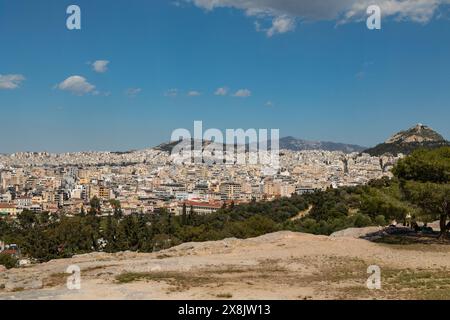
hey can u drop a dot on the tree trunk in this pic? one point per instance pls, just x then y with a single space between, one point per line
443 225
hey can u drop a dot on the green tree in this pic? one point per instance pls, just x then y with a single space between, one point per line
184 215
425 166
170 224
117 207
128 234
96 206
27 219
110 234
424 179
433 199
191 217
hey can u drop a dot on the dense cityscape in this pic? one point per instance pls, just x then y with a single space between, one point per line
146 181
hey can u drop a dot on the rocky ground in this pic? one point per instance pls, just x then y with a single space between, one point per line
282 265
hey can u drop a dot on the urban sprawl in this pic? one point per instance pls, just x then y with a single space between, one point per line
148 181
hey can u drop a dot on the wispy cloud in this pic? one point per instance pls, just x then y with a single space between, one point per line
171 93
223 91
133 92
100 66
281 24
194 93
77 85
10 81
243 93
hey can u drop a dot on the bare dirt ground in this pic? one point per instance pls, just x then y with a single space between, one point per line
282 265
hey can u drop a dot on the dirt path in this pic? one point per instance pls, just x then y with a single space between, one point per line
302 214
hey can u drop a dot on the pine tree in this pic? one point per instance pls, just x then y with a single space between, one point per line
184 215
111 234
96 206
191 216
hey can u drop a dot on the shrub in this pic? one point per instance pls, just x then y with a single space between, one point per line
8 261
362 220
380 220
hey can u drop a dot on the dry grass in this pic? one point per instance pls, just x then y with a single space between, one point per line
182 281
418 284
348 279
55 280
177 280
90 269
224 296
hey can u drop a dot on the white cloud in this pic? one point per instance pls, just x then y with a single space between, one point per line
283 14
100 66
10 81
421 11
269 104
243 93
194 94
171 93
77 85
281 24
223 91
133 92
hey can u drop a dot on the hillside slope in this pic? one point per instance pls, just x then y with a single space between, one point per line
405 142
282 265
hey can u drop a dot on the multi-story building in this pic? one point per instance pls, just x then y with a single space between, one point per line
198 207
23 202
230 190
8 210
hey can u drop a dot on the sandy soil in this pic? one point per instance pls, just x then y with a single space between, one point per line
282 265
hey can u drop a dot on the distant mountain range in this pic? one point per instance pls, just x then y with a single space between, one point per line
287 143
419 136
168 146
294 144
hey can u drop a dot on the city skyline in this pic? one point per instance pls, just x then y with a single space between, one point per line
135 72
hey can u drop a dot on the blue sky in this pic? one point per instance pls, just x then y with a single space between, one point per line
317 77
